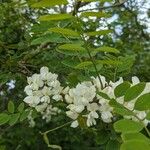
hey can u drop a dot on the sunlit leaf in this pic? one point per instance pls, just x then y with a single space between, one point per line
55 17
127 126
48 3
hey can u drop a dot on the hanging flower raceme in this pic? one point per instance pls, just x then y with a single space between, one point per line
43 90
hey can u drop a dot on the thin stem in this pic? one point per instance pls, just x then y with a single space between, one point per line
93 62
105 7
51 130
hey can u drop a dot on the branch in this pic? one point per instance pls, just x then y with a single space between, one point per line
106 7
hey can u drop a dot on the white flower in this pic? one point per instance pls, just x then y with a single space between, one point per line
57 97
135 80
42 90
68 99
74 124
72 115
32 100
28 90
92 107
43 73
106 116
91 118
45 99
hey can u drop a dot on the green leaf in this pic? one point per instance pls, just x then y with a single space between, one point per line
113 145
11 107
64 31
102 32
48 3
135 145
70 62
95 14
51 17
127 126
47 38
104 95
4 118
72 47
24 115
109 62
119 109
134 91
106 49
121 89
21 107
14 118
148 116
88 65
135 136
143 102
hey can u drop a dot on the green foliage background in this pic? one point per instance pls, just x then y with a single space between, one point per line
26 44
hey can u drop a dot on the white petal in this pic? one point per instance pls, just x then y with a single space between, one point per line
74 124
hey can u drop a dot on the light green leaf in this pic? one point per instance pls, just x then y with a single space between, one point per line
106 49
95 14
11 107
135 145
127 126
14 118
143 102
47 38
72 47
134 91
135 136
48 3
20 107
51 17
88 65
4 118
64 31
102 32
121 89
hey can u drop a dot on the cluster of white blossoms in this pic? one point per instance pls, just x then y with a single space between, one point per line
109 90
43 90
83 101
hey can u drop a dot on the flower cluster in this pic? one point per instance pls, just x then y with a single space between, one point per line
83 101
42 90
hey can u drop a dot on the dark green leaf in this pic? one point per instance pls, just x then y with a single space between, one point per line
24 115
134 91
143 102
14 118
4 118
113 145
20 107
11 107
121 89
